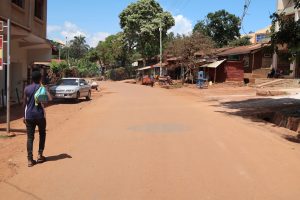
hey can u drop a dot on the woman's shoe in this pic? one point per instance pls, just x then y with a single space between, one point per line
31 162
41 159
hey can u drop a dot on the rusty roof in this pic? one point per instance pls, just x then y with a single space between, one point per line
174 59
242 50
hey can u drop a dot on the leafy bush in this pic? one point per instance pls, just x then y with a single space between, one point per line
121 73
71 72
117 74
87 68
58 67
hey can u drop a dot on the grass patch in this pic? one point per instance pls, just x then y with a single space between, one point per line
4 137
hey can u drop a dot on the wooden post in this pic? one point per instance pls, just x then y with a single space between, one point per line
2 98
215 78
253 60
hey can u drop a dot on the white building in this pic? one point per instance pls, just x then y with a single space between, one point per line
281 61
260 36
28 41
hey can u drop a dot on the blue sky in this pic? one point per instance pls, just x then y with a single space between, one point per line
96 19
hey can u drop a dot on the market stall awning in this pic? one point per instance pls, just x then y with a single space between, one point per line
152 66
42 63
214 64
144 68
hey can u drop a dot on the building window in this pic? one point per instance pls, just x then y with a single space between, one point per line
19 3
246 60
267 55
234 58
260 37
39 8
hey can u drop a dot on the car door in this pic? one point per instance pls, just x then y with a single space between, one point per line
86 87
82 88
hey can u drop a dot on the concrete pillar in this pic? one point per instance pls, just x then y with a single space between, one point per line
293 68
280 5
297 15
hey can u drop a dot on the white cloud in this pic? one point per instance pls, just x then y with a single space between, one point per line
94 39
53 28
182 25
70 30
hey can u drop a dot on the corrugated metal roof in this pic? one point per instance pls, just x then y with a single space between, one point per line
214 64
241 50
174 58
152 66
144 68
42 63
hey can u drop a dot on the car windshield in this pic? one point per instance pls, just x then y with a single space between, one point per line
68 82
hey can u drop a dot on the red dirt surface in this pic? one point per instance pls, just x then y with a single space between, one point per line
137 142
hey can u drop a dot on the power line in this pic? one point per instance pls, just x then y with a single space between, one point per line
245 12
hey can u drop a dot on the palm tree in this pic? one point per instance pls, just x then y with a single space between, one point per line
78 47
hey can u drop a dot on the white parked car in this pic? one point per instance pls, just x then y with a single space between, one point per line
71 88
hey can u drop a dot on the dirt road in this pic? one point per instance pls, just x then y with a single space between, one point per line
139 142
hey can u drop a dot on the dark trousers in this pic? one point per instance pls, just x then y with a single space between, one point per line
31 124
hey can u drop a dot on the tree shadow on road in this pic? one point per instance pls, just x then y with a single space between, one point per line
15 130
254 108
292 139
58 157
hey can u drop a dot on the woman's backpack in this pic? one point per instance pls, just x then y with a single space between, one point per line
41 95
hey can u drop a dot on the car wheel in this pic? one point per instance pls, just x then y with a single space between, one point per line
88 97
77 97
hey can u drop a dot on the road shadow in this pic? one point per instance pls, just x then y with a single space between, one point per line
68 101
292 139
255 108
17 131
58 157
17 112
278 112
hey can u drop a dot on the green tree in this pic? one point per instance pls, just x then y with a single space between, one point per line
87 68
93 55
140 22
200 26
185 47
288 33
243 41
114 51
221 26
78 47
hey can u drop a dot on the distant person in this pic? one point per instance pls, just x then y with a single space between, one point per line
152 80
272 73
34 116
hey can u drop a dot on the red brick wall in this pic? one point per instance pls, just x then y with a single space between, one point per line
234 70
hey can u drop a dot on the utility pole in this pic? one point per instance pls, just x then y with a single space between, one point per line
7 76
67 50
160 32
